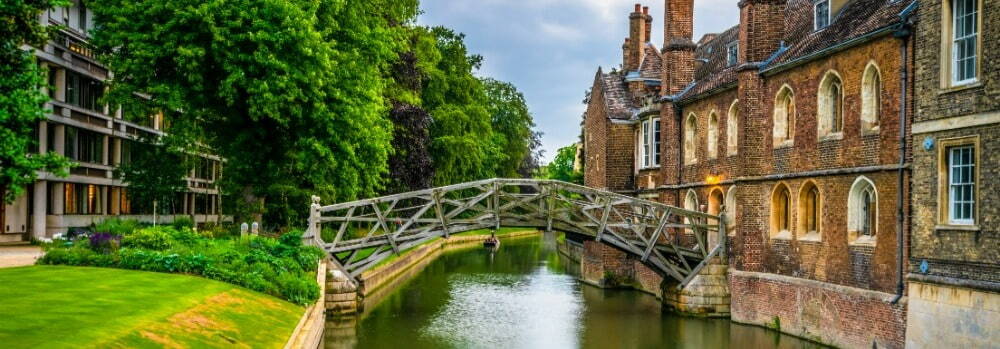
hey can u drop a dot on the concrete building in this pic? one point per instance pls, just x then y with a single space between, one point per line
792 123
954 279
98 139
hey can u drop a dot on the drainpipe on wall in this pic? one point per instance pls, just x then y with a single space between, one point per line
903 33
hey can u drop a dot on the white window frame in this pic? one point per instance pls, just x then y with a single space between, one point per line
732 53
816 5
956 185
956 61
649 146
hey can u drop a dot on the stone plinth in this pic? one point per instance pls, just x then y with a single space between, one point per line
341 294
706 295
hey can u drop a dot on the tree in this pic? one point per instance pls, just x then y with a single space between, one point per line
21 99
561 168
290 93
155 173
512 120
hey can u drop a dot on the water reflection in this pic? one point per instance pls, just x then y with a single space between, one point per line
524 295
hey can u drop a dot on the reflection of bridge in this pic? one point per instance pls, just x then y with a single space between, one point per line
361 233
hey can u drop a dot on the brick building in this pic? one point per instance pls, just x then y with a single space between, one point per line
794 124
954 267
97 138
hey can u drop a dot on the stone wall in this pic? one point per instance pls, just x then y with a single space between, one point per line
942 316
841 316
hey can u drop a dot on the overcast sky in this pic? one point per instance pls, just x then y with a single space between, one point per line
550 49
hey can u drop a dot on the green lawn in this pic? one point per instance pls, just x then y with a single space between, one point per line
82 307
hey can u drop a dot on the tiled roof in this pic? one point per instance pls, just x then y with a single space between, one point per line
616 95
857 18
652 63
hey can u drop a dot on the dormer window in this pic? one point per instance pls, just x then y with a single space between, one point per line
731 53
821 14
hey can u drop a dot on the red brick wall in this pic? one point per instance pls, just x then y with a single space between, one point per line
596 139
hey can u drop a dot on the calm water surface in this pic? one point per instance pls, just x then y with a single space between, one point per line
525 295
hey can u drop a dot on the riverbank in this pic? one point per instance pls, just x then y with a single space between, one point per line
103 307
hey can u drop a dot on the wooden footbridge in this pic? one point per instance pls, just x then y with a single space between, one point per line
359 234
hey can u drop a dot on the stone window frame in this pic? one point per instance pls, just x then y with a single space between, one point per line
802 223
871 98
712 141
855 217
816 15
691 139
783 133
780 213
690 204
830 108
947 57
944 196
730 210
732 128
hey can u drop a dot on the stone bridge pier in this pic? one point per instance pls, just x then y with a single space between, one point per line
707 294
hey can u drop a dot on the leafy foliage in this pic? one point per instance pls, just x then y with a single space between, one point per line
281 267
21 99
561 168
155 173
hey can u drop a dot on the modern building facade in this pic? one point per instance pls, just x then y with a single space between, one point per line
97 138
796 125
954 273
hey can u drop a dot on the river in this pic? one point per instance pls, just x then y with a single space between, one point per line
525 295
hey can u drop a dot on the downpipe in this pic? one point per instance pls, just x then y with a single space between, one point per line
903 33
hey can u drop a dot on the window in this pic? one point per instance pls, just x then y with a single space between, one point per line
830 108
690 204
871 98
713 136
690 142
862 211
809 209
965 33
82 199
821 11
649 143
784 117
781 210
732 53
82 91
84 146
961 185
732 129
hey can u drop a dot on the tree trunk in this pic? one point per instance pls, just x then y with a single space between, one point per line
3 209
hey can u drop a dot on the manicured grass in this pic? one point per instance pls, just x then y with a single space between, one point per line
83 307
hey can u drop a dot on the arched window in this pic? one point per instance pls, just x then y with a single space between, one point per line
715 201
691 204
871 97
830 105
732 129
731 209
690 134
862 215
810 207
781 213
713 135
784 117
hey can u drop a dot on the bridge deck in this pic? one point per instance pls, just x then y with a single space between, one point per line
359 234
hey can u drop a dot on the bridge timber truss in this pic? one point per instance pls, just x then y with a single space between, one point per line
359 234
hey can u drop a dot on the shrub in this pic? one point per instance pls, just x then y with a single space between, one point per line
155 238
182 222
281 267
117 226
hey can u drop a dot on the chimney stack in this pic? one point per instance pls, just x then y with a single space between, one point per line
678 49
761 29
649 23
637 39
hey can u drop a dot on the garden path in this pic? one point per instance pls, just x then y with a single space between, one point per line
16 256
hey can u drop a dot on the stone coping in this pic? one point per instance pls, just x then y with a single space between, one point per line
847 290
309 331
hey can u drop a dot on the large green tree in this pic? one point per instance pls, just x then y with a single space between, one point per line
289 92
512 121
561 168
21 98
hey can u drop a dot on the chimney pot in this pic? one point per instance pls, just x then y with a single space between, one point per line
638 7
645 10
